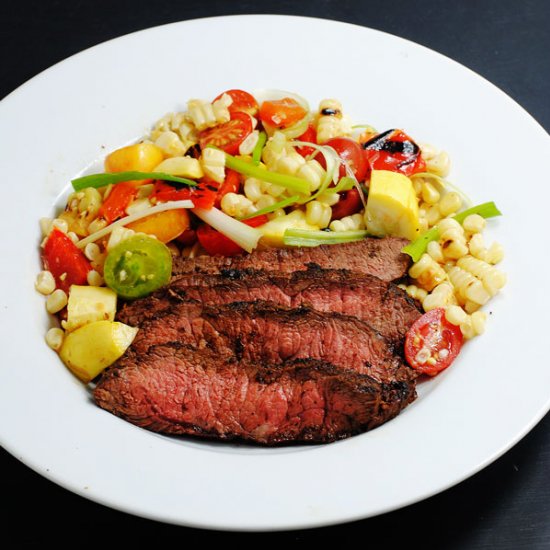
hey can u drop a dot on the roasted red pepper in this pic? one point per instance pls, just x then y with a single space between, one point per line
231 184
395 151
310 135
215 243
203 195
120 197
65 261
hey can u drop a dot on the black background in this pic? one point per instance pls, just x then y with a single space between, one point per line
505 506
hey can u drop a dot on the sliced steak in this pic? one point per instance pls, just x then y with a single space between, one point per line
379 257
174 390
261 332
381 304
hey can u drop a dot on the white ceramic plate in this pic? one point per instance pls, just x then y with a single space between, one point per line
68 117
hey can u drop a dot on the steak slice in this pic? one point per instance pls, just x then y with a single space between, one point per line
381 304
174 390
261 332
379 257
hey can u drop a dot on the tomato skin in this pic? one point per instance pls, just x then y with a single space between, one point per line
242 102
281 113
310 135
229 135
350 151
61 256
217 244
349 203
433 333
395 151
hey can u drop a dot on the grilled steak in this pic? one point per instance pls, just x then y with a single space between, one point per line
380 303
263 333
379 257
175 390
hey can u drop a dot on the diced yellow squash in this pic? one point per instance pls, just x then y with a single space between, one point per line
392 206
274 230
141 157
88 304
88 350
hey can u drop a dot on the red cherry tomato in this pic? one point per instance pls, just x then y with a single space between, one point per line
350 151
217 244
349 203
395 151
242 102
65 261
432 343
229 135
310 135
281 113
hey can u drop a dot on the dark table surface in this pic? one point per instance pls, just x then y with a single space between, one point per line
506 505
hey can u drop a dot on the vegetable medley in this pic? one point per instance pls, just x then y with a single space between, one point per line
242 171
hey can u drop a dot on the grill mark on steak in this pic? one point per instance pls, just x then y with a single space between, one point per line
379 257
175 390
262 332
381 304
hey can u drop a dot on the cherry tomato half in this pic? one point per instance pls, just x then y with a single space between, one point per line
310 135
242 102
281 113
229 135
432 343
66 262
350 151
349 203
395 151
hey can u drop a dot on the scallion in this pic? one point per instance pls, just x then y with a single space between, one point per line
416 248
293 183
101 180
268 209
306 237
258 148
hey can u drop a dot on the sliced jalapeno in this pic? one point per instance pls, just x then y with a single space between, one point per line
137 266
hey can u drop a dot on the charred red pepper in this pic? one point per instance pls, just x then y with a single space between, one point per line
310 135
120 197
65 261
215 243
203 195
395 151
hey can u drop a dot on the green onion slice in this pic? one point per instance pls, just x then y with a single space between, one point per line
258 148
306 237
418 246
293 183
101 180
268 209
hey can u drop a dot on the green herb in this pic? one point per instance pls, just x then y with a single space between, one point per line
101 180
305 237
293 183
268 209
418 246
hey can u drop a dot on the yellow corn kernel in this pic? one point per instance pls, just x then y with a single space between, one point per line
493 279
474 223
439 164
467 286
441 296
236 205
318 213
45 283
456 315
435 251
253 189
449 204
427 272
430 195
495 254
54 338
56 301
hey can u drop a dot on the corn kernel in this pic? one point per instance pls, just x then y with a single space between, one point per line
449 204
54 338
45 283
56 301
